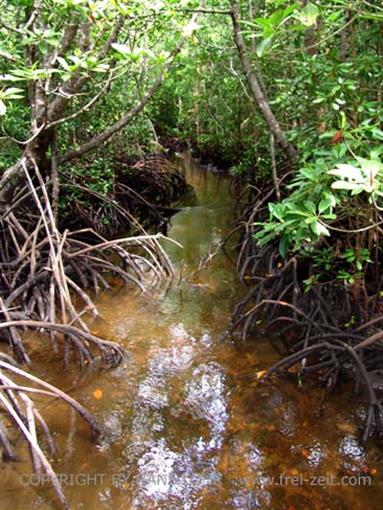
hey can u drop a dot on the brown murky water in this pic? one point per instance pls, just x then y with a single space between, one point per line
188 424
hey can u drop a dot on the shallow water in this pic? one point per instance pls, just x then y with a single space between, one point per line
189 425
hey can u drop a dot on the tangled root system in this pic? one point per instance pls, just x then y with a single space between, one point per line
325 341
47 277
142 194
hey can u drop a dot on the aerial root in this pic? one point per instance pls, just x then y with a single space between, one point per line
328 343
46 274
16 390
47 278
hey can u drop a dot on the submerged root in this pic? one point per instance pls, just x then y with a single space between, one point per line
45 273
329 343
19 408
46 276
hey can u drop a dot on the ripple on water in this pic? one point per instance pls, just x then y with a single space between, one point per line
166 475
152 392
244 499
172 361
351 448
207 399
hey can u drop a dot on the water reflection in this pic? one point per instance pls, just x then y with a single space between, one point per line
188 423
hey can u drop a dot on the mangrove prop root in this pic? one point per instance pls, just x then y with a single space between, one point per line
45 273
47 277
326 341
19 408
141 197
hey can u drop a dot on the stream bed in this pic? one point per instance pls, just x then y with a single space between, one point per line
189 424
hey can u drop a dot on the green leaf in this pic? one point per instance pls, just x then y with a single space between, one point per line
309 14
308 173
327 202
377 133
263 46
10 77
309 205
347 172
121 48
370 167
343 123
345 185
283 246
12 93
319 229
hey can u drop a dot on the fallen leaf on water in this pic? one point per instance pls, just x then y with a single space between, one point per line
97 394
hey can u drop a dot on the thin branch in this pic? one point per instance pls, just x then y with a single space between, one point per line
103 137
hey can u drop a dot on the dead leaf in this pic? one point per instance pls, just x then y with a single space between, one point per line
97 394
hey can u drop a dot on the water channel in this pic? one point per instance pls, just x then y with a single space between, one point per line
189 424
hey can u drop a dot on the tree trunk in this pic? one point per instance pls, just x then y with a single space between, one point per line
256 89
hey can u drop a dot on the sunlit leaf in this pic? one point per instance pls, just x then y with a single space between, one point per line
347 171
263 46
345 185
309 14
122 48
319 229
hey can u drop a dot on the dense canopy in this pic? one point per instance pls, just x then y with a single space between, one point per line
96 97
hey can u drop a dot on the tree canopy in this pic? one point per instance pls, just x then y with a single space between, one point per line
95 98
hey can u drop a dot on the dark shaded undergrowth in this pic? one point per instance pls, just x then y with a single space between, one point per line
331 329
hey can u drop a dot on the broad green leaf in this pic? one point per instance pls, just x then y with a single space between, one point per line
327 202
345 185
12 93
122 48
308 172
377 133
263 46
309 14
319 229
347 172
370 167
10 77
309 205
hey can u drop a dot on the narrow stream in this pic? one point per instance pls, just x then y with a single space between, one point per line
189 424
